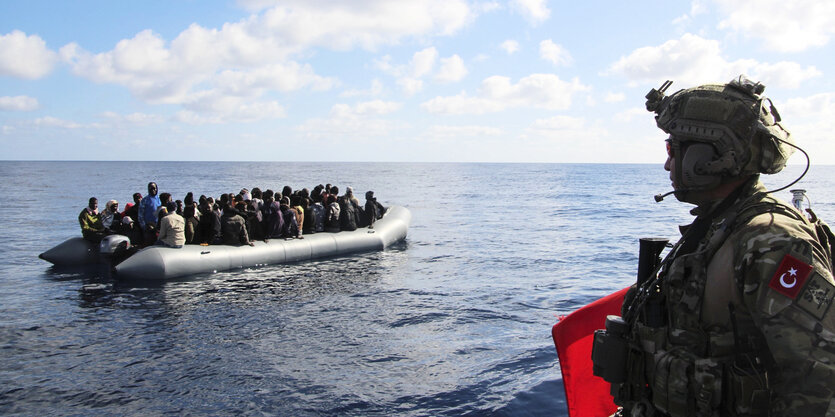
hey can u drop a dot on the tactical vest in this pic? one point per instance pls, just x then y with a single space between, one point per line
676 366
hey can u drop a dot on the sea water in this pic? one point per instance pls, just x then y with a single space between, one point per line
453 321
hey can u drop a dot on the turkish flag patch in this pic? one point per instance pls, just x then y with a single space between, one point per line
790 276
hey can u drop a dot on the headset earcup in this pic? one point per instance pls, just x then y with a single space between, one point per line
694 158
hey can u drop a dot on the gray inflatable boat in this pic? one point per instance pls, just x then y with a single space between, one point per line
161 263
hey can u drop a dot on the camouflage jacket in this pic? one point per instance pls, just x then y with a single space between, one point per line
744 324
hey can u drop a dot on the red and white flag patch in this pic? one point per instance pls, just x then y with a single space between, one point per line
790 276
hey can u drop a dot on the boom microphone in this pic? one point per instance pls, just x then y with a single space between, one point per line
659 197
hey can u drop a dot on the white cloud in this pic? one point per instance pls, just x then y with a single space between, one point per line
614 97
252 56
375 107
410 86
375 90
693 60
24 56
509 46
629 114
50 121
423 62
545 91
697 7
535 11
353 123
583 137
18 103
791 26
283 77
142 119
487 6
367 24
211 108
554 53
811 120
443 132
452 69
784 74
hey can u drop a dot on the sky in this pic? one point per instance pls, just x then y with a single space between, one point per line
383 80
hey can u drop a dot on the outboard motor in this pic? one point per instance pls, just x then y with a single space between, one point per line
115 248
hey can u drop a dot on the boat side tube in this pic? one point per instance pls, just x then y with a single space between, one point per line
160 263
72 252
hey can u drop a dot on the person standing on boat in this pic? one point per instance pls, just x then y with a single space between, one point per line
92 228
132 210
172 227
148 207
738 319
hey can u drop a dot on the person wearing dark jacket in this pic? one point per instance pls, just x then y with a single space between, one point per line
233 228
332 213
291 225
132 210
192 217
349 212
271 215
373 210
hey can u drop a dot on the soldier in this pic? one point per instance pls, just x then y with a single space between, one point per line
737 320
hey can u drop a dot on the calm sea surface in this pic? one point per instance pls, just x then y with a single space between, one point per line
454 321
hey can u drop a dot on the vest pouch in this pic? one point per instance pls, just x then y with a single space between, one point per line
652 339
671 392
609 351
748 391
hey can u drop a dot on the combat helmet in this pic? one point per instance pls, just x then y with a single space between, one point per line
741 127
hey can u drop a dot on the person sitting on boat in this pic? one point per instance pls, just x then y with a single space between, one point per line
295 204
148 207
271 215
373 210
307 226
172 227
349 211
332 215
111 219
90 221
233 227
317 212
130 229
192 217
291 224
132 209
287 191
256 221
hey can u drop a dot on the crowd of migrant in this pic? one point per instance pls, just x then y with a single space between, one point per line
232 219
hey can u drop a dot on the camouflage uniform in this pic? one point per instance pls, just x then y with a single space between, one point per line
733 341
738 320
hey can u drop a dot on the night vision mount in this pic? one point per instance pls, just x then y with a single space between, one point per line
656 97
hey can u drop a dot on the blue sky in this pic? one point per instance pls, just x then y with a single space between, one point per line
381 80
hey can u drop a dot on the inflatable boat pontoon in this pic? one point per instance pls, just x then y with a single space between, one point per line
160 263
